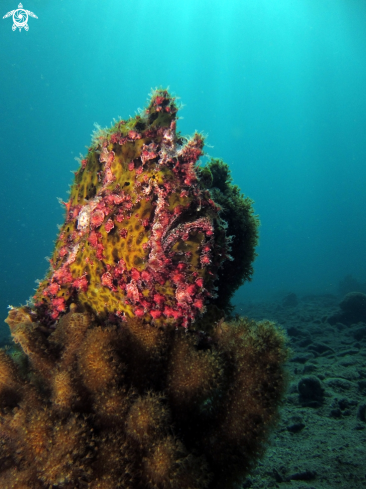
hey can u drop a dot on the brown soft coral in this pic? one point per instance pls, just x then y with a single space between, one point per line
196 414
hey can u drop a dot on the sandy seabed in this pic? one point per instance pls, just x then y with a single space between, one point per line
320 442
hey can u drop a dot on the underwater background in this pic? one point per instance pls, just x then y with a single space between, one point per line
278 88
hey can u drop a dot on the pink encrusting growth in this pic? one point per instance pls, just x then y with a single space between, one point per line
142 235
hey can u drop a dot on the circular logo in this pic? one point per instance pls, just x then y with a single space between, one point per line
20 19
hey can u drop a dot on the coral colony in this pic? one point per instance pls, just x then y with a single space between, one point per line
124 372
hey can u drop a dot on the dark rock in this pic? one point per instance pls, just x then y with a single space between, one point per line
361 412
341 407
348 361
354 302
359 333
306 318
277 476
334 318
293 399
311 391
302 358
292 389
350 284
362 386
294 332
345 403
308 475
290 300
336 413
305 342
344 353
296 427
309 369
339 384
347 317
353 308
320 348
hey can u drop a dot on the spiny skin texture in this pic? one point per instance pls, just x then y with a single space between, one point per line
134 406
142 235
104 389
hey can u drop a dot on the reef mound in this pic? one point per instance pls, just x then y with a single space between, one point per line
124 372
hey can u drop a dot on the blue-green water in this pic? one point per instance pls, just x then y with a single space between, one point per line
278 87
